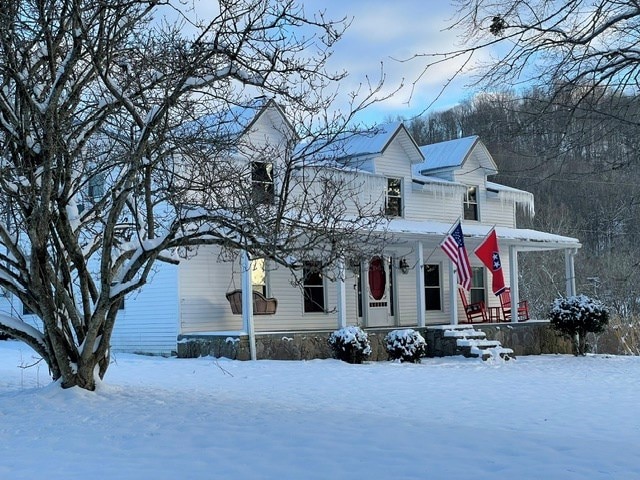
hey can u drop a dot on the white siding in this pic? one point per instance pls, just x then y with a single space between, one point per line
496 211
440 204
204 281
149 321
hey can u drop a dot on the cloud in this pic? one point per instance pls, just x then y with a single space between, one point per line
388 35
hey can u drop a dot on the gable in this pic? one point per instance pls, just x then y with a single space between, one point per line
265 122
447 158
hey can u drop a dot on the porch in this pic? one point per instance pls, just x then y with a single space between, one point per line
534 337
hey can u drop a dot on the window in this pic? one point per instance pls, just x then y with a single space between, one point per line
432 295
393 207
313 288
259 276
95 188
263 190
477 285
471 204
26 310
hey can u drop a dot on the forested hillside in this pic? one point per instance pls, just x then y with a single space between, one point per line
582 166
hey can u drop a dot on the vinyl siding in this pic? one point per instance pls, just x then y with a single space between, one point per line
149 321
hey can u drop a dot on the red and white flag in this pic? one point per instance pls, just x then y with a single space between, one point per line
453 246
489 254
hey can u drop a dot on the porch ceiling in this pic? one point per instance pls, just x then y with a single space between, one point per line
524 239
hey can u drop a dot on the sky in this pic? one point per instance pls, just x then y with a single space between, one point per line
388 34
552 417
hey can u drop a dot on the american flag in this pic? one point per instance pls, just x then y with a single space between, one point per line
453 246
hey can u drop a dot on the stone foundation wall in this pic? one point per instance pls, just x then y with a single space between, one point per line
530 338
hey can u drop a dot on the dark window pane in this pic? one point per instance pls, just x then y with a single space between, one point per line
471 204
477 285
432 299
393 206
313 288
313 299
432 294
432 275
262 182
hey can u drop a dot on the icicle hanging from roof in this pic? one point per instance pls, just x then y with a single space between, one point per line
513 195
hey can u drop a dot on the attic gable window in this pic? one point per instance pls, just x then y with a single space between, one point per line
393 206
95 188
263 188
471 203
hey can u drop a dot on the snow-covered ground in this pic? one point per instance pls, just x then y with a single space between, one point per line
548 417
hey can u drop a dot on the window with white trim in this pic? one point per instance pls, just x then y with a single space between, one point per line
393 205
432 287
313 288
259 276
95 187
478 289
471 203
263 187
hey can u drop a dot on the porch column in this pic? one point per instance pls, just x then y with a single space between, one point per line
453 300
420 285
341 295
247 303
513 282
570 273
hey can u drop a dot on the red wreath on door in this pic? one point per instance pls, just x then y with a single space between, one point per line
377 278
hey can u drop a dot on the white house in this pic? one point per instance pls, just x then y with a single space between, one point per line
425 190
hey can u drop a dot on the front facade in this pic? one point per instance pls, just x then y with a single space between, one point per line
412 283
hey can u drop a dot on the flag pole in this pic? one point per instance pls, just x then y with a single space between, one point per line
452 228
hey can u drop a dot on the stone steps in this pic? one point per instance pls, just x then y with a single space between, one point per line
472 343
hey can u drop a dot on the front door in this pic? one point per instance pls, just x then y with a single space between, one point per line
378 292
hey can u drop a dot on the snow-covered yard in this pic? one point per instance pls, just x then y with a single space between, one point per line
549 417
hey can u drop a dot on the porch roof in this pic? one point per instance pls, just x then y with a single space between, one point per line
523 238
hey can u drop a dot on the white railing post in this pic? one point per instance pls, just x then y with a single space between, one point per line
247 303
420 285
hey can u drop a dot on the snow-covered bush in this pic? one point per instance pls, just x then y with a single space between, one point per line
405 345
350 344
576 316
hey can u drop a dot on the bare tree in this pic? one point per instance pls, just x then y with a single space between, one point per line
121 147
577 50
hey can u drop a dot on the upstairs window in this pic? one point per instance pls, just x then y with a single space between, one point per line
393 207
313 288
95 187
471 204
263 189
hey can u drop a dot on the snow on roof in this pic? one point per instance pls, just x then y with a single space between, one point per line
447 154
527 239
356 144
370 142
236 120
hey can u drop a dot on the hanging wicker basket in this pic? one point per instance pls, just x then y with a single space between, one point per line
261 304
